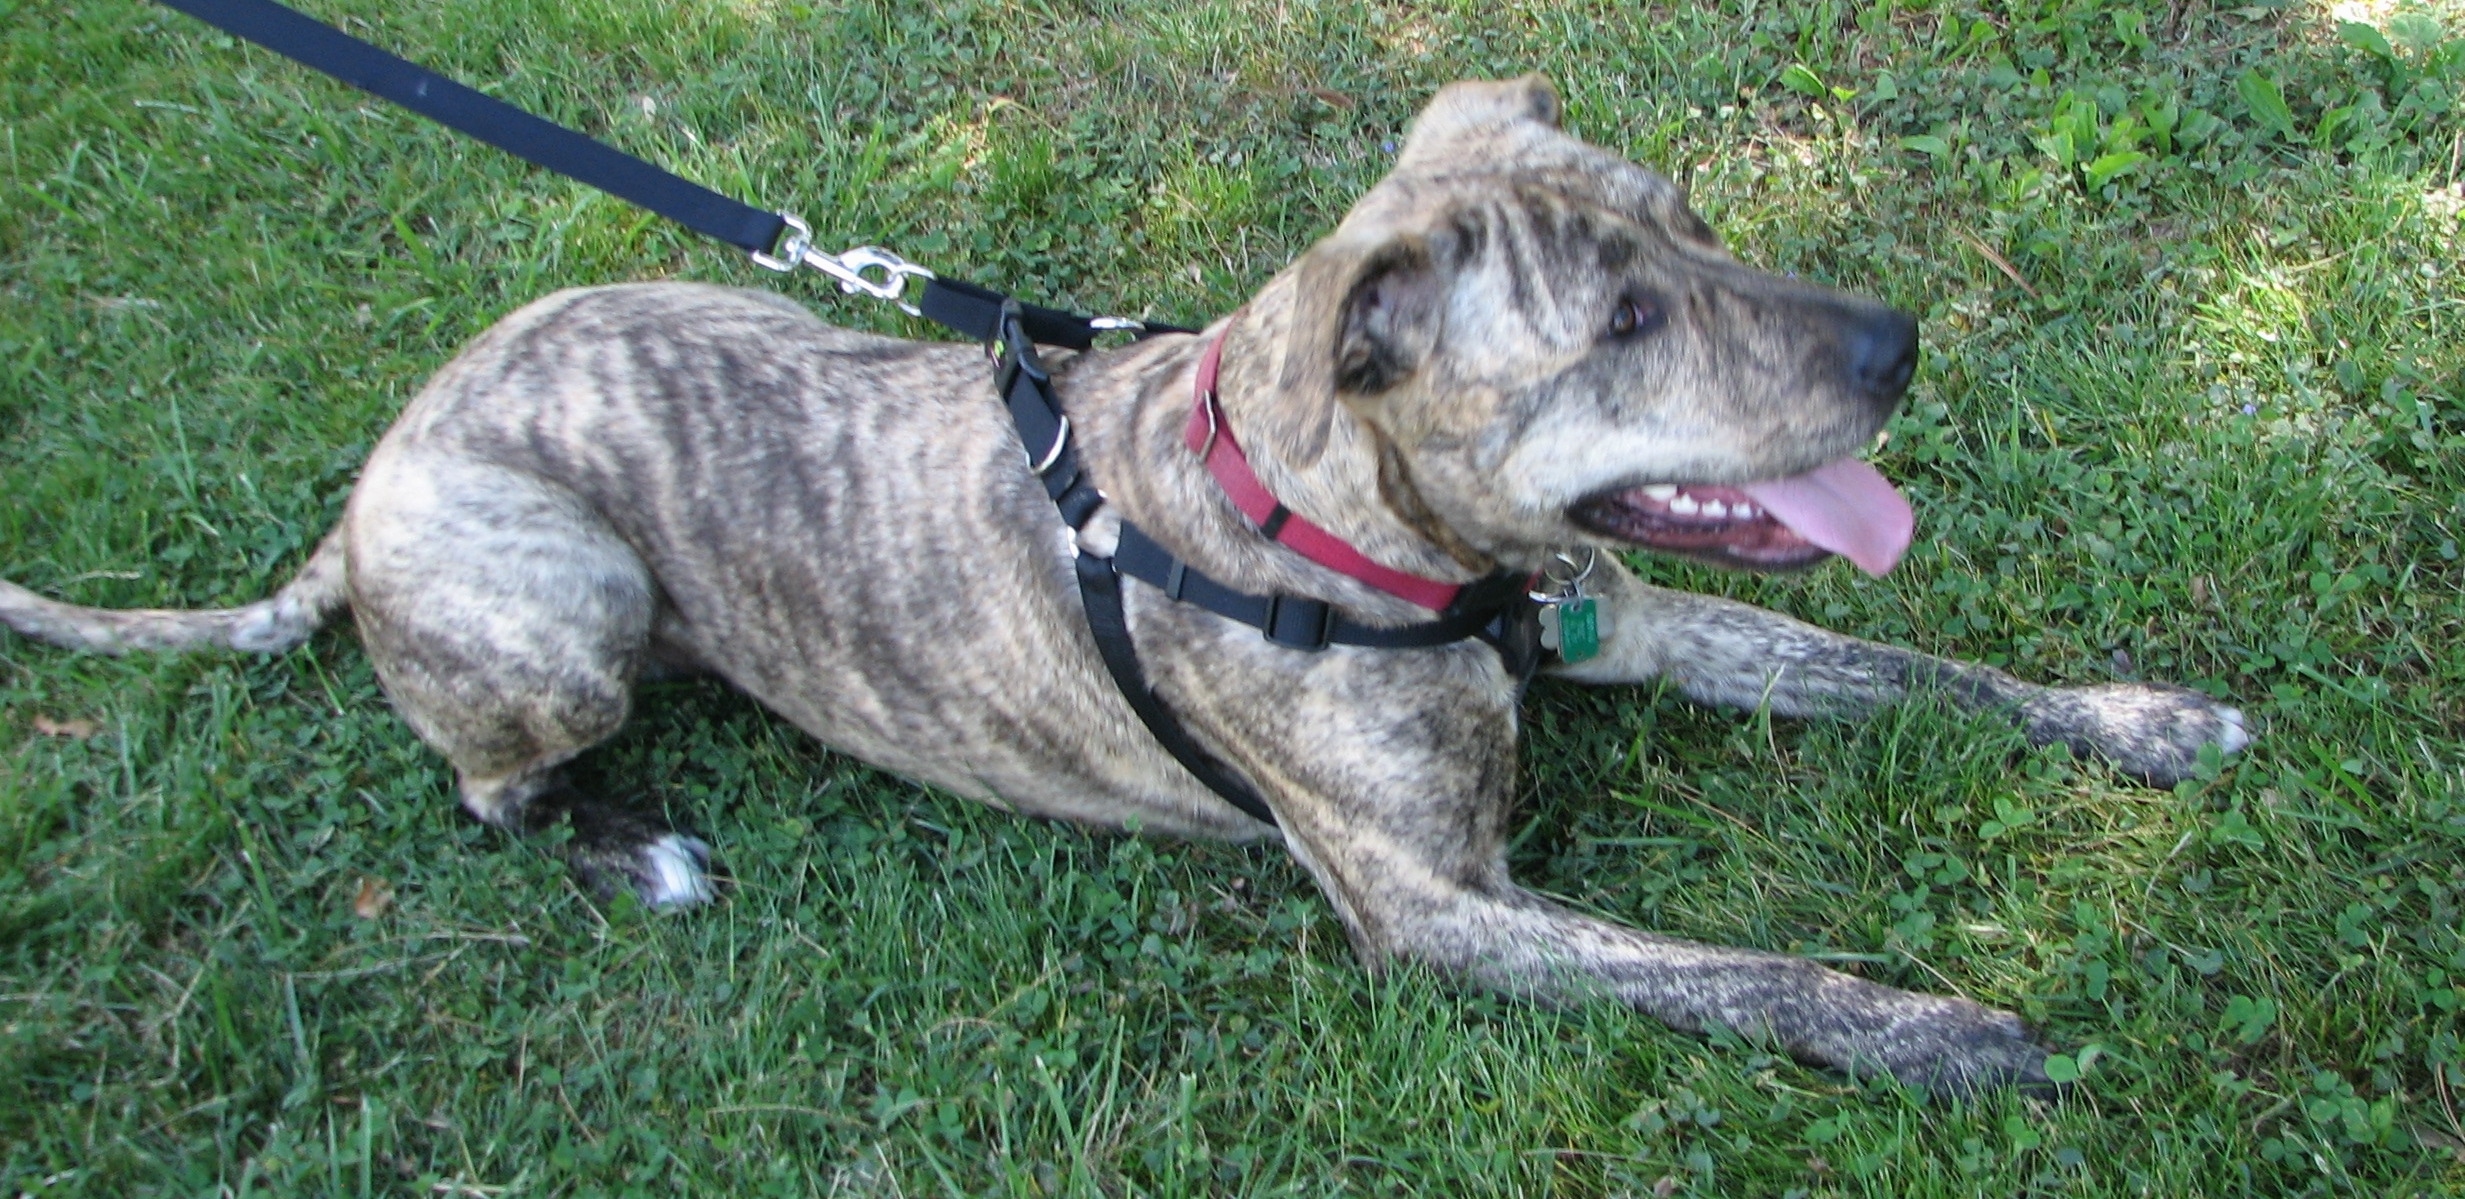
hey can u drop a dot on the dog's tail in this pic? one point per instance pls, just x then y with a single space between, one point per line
268 626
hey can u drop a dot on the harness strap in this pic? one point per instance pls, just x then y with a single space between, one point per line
975 313
1496 609
1099 589
1026 389
1296 622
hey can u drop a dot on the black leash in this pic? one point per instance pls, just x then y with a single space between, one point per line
1495 610
325 48
545 144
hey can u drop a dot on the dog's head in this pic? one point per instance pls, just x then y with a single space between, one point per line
1546 346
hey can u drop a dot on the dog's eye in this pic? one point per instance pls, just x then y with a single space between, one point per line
1633 316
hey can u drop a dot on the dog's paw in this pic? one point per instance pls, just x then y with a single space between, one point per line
614 849
2149 731
674 872
1956 1048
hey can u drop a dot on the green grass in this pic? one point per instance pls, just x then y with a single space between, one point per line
2194 409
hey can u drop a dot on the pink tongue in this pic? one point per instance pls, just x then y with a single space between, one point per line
1846 507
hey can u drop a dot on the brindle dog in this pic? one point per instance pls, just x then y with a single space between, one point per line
1515 345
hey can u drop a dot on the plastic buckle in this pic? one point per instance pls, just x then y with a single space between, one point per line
1312 621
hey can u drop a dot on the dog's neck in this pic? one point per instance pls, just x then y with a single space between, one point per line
1356 484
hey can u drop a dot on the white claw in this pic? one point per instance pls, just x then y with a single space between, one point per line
1684 505
1661 493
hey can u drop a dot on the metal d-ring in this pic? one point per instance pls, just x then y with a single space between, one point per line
1061 441
1558 590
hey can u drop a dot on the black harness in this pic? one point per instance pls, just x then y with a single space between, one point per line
1497 610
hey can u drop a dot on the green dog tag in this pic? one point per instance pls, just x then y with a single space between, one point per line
1579 630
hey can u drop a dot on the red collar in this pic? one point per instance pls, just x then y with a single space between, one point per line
1212 440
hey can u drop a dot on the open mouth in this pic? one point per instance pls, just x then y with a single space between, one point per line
1844 507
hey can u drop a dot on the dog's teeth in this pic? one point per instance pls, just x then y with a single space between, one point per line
1716 510
1660 492
1743 511
1684 505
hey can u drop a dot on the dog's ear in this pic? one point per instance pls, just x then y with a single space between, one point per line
1365 318
1477 108
1388 320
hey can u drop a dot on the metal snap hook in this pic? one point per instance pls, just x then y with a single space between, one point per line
848 268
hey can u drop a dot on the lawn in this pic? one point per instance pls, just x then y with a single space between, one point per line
2193 409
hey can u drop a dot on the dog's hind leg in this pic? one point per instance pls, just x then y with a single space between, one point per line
1719 651
508 622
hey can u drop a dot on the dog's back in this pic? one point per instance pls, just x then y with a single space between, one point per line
834 522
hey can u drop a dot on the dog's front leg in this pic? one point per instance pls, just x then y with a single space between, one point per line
1410 886
1719 651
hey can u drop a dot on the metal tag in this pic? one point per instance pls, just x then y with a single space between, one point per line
1579 630
1570 620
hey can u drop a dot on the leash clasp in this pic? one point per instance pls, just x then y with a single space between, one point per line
792 250
848 267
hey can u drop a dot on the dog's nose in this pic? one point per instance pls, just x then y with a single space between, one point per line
1882 352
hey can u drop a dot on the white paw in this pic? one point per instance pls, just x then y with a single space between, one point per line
2149 730
2236 735
675 872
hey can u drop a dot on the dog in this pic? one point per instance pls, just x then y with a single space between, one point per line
1516 348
